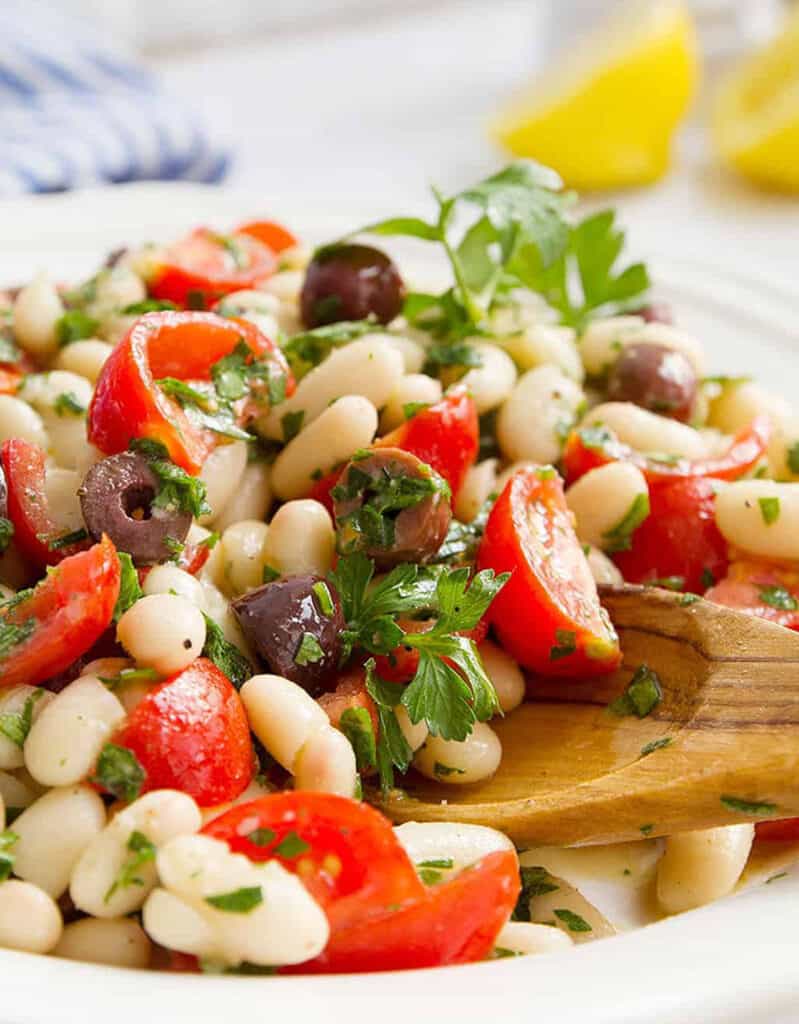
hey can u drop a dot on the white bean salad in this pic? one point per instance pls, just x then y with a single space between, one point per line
280 529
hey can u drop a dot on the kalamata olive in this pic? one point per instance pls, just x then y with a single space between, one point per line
656 313
392 506
656 378
350 282
295 626
3 495
116 498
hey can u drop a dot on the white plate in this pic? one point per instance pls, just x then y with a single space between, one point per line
734 961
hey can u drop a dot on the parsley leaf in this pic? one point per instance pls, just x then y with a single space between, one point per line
12 634
619 537
309 652
356 724
225 655
15 725
536 881
769 510
462 539
240 901
202 406
177 491
142 852
291 846
7 841
392 750
565 646
308 349
66 404
573 921
6 533
148 306
779 597
291 424
653 745
119 771
642 696
735 803
129 589
73 326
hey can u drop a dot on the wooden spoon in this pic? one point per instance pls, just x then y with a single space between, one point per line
572 772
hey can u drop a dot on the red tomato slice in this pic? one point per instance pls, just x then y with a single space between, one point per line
767 590
547 616
34 530
453 923
71 608
350 692
10 379
127 403
679 538
273 236
345 852
784 831
585 451
204 266
191 733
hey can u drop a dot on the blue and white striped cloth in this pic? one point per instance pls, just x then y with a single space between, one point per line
76 111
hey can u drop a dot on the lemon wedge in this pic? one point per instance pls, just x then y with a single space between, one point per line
755 118
606 118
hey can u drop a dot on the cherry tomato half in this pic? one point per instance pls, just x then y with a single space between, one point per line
273 236
765 589
785 831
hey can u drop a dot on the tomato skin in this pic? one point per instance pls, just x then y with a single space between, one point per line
372 870
678 538
190 732
784 831
274 236
742 586
72 607
127 403
198 272
529 533
24 466
350 692
745 451
10 380
456 922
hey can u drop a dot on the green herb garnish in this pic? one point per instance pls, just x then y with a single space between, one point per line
642 696
119 772
142 852
240 901
573 921
356 724
225 655
735 803
769 510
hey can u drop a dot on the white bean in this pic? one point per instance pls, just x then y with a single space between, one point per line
53 833
504 673
286 285
16 792
326 764
42 390
608 503
159 816
259 307
252 499
114 289
117 942
222 473
699 867
415 734
29 919
534 421
413 388
252 792
285 926
12 702
243 552
18 419
460 763
413 354
282 715
301 539
525 938
67 435
349 424
492 383
70 732
509 471
163 632
367 367
61 491
85 357
480 482
543 344
646 431
783 451
602 569
217 607
169 579
464 845
36 310
739 401
760 517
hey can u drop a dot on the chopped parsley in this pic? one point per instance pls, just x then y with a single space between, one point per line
142 852
707 579
203 407
130 675
119 772
240 901
225 655
324 598
445 770
291 846
735 803
536 881
12 634
148 306
653 745
780 598
356 724
565 646
309 652
792 458
15 725
392 749
443 863
291 424
177 491
261 836
66 404
688 599
129 589
769 510
308 349
73 326
7 841
619 537
6 533
270 574
646 830
462 539
642 696
410 409
675 583
66 540
573 921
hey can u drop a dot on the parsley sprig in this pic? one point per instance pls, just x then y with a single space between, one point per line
177 491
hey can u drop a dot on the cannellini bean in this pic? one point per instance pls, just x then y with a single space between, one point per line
646 431
53 832
602 569
525 938
740 401
480 482
252 499
16 792
68 446
603 340
413 388
70 732
61 490
413 354
282 715
286 285
301 539
699 867
42 390
222 473
243 550
36 311
259 307
118 942
29 919
459 763
534 421
163 632
252 792
114 289
760 517
12 702
169 579
415 733
543 344
608 503
217 607
504 673
18 419
285 926
326 764
86 357
783 451
367 367
508 472
492 383
464 845
159 816
349 424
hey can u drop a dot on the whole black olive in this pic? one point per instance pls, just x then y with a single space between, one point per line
295 627
350 282
3 495
116 498
656 378
391 506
